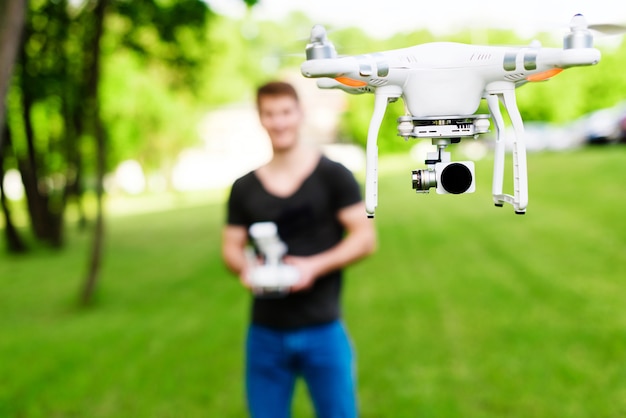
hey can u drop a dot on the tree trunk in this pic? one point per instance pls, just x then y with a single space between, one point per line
36 199
45 209
73 188
12 15
13 239
95 260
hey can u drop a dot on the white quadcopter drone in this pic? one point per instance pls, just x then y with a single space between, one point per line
272 277
442 84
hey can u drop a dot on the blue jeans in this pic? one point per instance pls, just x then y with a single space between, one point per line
321 354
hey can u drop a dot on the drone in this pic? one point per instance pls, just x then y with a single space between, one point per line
442 85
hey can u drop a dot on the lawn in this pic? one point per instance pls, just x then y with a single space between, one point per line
465 311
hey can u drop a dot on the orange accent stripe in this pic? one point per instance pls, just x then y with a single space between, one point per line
544 75
350 82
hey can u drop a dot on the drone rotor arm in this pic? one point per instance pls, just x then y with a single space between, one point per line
580 57
332 67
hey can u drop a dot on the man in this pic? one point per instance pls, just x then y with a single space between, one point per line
317 207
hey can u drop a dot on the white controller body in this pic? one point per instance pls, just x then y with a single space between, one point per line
273 276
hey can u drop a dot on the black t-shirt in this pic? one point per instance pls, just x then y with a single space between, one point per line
307 222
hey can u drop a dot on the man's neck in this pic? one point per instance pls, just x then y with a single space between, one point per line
290 158
288 169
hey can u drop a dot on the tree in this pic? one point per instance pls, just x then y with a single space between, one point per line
12 15
55 102
45 114
93 100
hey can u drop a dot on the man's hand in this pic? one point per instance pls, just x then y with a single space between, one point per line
244 276
308 267
359 241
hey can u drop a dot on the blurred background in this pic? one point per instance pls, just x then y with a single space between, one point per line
122 126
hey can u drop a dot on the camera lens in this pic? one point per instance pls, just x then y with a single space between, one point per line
456 178
424 179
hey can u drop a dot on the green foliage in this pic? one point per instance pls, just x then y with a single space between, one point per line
153 21
154 61
466 310
165 63
176 58
140 109
247 53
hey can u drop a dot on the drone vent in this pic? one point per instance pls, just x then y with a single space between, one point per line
481 57
515 77
377 81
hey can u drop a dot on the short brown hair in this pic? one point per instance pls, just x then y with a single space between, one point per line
276 88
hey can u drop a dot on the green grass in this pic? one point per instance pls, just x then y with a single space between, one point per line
465 311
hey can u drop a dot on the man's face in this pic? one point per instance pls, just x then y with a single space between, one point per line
281 117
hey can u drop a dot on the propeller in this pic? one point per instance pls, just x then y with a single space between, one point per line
608 28
579 22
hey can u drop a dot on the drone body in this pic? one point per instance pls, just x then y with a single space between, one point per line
445 78
441 85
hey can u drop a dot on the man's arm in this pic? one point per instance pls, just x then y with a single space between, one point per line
359 241
234 241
